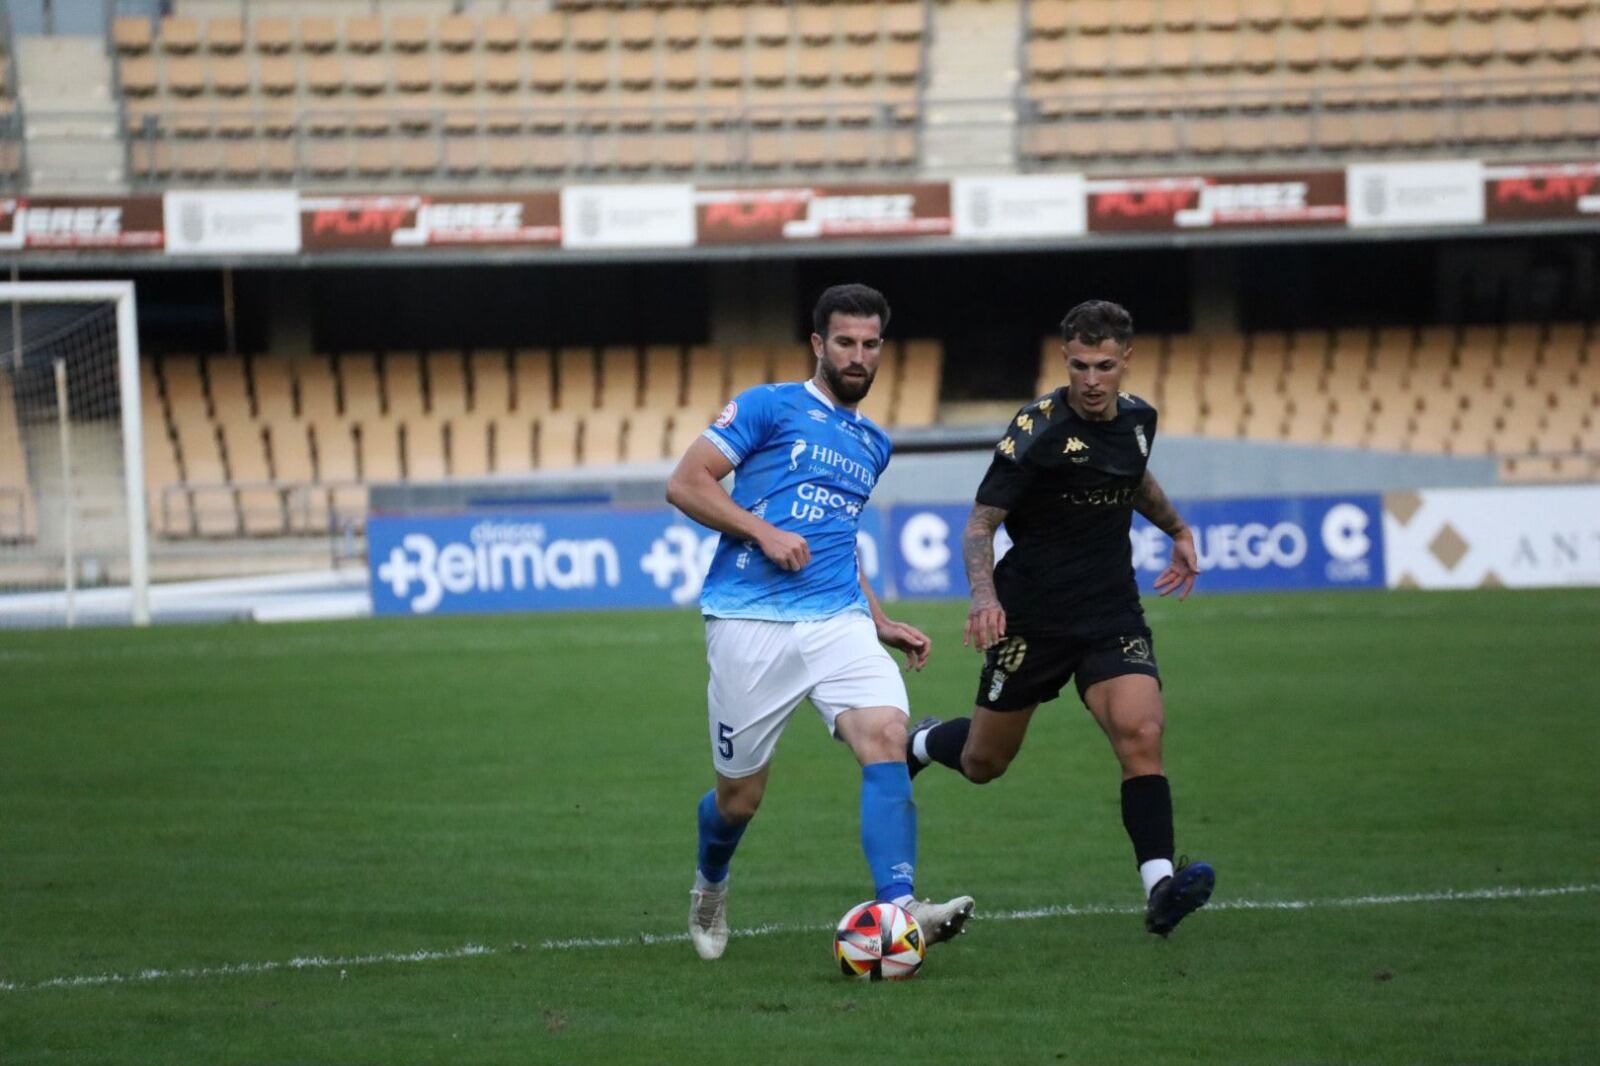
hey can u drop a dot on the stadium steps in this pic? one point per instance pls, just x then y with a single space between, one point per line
64 84
969 117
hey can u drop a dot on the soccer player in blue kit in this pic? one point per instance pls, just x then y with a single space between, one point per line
790 615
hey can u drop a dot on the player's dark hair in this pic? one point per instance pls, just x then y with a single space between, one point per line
1093 321
858 301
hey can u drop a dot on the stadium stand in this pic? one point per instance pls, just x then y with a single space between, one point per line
1523 392
10 120
271 445
17 521
229 450
1114 84
513 95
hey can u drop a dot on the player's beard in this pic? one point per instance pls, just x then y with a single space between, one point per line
843 388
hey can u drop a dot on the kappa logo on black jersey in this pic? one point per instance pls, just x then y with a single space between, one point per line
1025 423
1045 406
1074 446
1007 447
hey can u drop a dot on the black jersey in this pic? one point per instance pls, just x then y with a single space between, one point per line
1067 486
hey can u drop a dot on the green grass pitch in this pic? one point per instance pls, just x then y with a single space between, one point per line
201 802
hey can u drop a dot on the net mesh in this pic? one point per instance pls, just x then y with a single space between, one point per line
62 495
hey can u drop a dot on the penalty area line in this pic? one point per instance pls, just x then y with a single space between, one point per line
468 951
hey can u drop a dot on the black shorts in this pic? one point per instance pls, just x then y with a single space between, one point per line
1021 671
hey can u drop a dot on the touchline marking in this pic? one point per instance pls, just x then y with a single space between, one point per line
1091 910
312 962
467 951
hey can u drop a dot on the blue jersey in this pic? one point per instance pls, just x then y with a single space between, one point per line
807 466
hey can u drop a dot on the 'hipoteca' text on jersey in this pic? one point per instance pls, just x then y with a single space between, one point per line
807 466
1067 485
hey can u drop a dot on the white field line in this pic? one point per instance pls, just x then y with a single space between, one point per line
342 963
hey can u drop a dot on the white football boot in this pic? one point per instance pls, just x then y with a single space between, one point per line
941 921
708 918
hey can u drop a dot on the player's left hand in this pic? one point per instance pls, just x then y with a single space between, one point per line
1185 567
909 639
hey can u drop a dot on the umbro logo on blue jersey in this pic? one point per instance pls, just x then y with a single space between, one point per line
817 416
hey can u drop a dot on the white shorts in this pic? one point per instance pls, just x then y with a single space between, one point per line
760 671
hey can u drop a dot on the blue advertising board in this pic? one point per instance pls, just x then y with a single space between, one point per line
560 558
1302 542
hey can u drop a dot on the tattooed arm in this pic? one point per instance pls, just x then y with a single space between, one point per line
1179 575
986 620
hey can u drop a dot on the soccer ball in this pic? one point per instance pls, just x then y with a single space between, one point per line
878 941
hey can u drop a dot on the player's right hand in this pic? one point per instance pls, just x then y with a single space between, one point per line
788 551
986 624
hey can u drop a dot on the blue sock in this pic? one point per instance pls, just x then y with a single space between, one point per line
889 828
718 838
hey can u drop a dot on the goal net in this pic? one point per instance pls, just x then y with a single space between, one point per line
72 503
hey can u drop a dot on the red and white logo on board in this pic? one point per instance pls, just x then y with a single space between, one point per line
725 419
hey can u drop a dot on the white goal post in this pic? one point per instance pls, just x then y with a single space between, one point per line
66 355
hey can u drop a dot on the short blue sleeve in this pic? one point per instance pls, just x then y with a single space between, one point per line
745 424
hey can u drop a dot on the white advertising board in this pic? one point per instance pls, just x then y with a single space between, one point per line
263 222
1531 537
627 216
1414 194
1054 205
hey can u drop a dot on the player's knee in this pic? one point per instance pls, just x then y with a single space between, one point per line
879 740
981 768
1141 739
739 805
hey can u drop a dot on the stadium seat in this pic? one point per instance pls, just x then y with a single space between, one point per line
402 381
619 379
749 366
425 456
919 383
334 441
684 429
513 436
557 442
576 383
260 503
879 403
379 439
533 381
447 383
662 384
317 388
360 395
491 382
469 445
705 382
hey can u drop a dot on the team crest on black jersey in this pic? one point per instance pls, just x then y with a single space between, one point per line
1143 442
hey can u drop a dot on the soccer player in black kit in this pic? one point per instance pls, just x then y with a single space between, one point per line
1063 603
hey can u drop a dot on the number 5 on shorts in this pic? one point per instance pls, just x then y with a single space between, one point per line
724 740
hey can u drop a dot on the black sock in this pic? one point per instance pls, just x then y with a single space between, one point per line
946 740
1147 816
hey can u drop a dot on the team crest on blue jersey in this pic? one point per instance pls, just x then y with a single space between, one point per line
729 413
